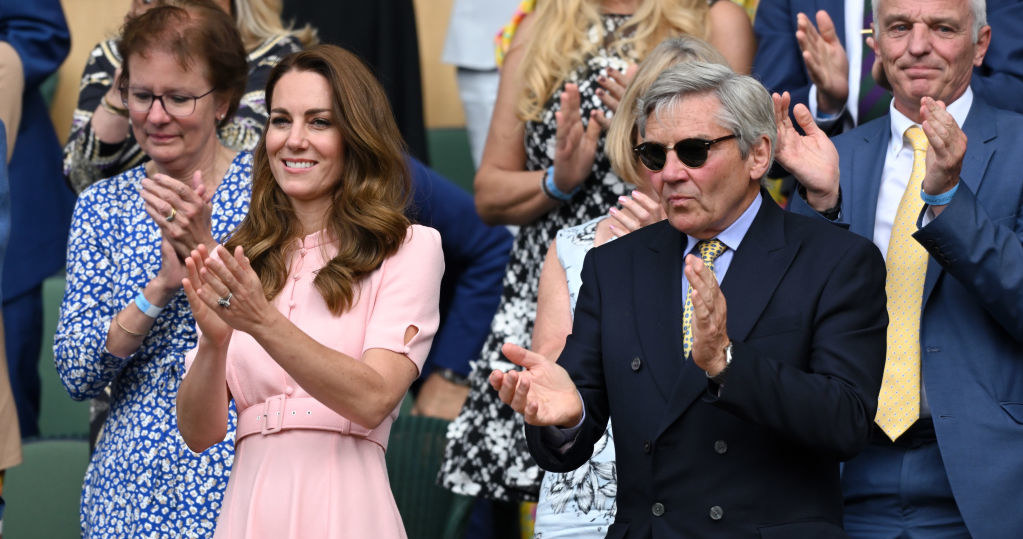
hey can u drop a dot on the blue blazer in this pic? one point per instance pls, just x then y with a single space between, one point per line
779 63
41 201
971 324
807 320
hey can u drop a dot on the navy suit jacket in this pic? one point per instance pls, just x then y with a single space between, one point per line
807 320
41 201
971 324
779 63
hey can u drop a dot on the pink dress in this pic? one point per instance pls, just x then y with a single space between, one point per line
322 476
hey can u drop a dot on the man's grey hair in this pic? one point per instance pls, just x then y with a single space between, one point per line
746 107
978 8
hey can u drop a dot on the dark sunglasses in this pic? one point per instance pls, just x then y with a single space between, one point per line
691 151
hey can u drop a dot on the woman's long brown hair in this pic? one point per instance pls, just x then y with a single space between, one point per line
366 215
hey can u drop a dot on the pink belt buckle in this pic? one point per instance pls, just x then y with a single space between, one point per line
273 414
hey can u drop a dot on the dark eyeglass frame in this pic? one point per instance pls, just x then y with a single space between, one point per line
155 98
692 152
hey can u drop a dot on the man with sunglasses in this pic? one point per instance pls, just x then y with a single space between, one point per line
936 185
731 405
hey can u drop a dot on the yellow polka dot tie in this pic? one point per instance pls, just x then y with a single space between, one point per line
709 251
898 404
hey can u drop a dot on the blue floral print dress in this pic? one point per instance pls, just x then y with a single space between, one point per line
142 480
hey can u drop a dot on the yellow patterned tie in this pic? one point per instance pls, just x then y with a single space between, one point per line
898 405
709 251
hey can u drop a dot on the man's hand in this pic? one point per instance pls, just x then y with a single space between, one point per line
826 61
543 393
811 158
947 148
710 316
440 398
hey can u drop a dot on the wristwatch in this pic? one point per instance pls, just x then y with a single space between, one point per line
831 214
453 377
719 379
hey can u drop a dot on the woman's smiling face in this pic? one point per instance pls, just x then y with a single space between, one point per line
303 140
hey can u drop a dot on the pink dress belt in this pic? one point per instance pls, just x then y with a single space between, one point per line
281 412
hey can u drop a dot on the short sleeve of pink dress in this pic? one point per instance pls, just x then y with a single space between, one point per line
299 483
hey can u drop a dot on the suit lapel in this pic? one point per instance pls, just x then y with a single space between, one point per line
657 281
756 269
863 182
753 275
981 132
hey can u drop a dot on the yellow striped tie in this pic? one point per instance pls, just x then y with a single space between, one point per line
709 251
898 404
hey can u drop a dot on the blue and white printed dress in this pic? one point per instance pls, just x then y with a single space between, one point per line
142 481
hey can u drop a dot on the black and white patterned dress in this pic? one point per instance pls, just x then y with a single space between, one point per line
486 453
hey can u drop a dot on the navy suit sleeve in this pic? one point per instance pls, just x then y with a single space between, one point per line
999 80
475 256
984 256
779 63
38 32
582 359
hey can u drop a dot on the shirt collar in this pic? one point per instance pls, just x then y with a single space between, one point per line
733 235
959 109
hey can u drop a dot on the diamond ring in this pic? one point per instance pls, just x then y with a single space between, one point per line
225 301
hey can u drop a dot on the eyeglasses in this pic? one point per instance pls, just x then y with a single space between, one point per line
176 105
691 151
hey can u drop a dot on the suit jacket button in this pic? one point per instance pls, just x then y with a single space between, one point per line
717 513
720 447
646 446
636 364
657 509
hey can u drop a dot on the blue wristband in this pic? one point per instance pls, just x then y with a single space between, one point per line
551 189
148 309
939 200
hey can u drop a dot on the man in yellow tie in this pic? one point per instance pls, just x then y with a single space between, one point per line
732 404
946 454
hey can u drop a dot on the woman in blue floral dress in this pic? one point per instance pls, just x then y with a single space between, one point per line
124 320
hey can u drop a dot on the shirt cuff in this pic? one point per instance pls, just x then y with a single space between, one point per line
562 439
824 121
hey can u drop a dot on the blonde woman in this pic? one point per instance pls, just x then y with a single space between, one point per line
544 168
581 504
101 143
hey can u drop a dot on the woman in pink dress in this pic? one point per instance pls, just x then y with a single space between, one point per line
317 315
